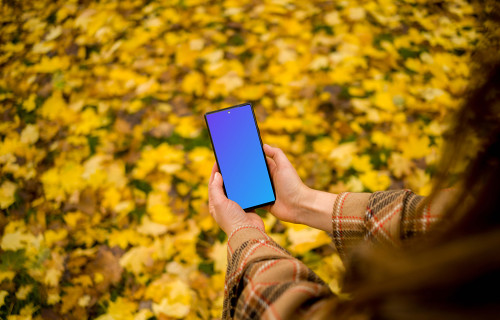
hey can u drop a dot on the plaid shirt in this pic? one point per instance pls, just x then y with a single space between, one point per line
264 281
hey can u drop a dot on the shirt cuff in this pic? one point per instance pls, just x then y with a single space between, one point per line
348 220
244 233
351 204
255 238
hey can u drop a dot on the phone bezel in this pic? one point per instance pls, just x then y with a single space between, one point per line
261 148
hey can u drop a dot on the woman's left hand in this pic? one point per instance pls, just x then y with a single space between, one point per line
227 213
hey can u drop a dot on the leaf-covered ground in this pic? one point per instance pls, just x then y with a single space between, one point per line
104 154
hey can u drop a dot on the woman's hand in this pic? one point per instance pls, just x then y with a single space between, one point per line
290 190
296 202
227 213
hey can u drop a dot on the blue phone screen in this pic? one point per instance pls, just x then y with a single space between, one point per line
242 162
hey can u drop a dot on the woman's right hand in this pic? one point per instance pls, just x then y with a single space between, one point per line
296 202
290 190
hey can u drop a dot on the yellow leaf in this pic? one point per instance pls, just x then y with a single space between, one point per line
72 218
84 301
375 181
53 33
355 91
98 277
29 135
163 248
135 106
331 270
29 104
161 213
3 294
252 92
333 18
303 240
343 154
53 298
415 148
19 240
52 277
120 309
177 302
147 88
7 192
362 163
187 127
9 275
382 140
384 101
48 65
207 223
399 165
151 228
218 254
354 184
356 14
23 292
54 107
143 314
83 280
269 222
88 122
420 182
122 238
136 259
201 161
193 83
26 313
164 156
52 236
65 179
227 83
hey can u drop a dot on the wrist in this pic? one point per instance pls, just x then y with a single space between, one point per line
315 209
249 219
243 226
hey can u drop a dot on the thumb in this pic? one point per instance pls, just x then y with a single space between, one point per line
277 155
215 191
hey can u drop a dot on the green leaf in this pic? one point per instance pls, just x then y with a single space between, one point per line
206 267
378 39
137 213
12 260
141 185
406 53
236 40
93 142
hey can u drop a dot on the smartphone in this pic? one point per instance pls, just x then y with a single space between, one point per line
239 154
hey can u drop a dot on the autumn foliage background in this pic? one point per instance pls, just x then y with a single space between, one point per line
105 157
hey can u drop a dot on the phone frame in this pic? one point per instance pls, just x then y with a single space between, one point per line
261 148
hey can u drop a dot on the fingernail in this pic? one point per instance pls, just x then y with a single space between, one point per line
217 176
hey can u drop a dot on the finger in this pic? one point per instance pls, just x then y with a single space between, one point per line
268 150
276 154
271 164
215 191
214 170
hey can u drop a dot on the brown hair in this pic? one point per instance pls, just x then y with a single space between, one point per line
455 272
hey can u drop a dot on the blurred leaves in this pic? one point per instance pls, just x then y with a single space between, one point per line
104 155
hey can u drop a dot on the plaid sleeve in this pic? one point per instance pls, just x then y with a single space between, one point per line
385 217
265 281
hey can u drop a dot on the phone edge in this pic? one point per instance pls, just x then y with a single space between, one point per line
215 153
261 147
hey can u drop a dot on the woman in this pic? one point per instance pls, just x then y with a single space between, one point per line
406 256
